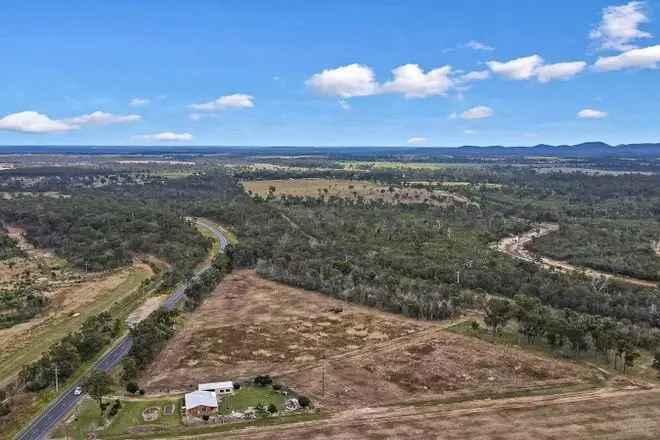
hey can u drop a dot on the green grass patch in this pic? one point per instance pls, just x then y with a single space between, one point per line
210 429
130 416
251 396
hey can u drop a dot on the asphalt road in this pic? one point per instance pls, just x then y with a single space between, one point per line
58 410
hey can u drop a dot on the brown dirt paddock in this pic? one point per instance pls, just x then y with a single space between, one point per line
255 326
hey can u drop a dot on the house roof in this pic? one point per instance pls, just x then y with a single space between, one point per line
201 398
215 385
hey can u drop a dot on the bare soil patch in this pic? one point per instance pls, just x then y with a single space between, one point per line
255 326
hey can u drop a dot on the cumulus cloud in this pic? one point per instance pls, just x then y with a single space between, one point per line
139 102
417 140
478 112
548 72
235 101
102 118
478 45
590 113
517 69
619 26
534 66
477 75
644 58
345 81
167 136
345 104
33 122
412 82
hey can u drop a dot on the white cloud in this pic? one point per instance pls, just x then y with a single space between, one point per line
345 81
548 72
534 66
167 136
477 75
102 118
417 140
345 104
478 112
33 122
619 26
589 113
644 58
468 131
518 69
139 102
412 82
478 45
237 100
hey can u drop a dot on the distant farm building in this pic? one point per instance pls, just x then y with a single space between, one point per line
219 388
201 403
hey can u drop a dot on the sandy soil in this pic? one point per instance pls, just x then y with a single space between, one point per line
253 326
150 305
515 246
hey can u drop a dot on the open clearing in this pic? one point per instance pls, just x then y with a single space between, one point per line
254 326
350 189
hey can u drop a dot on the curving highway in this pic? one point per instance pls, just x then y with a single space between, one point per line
58 410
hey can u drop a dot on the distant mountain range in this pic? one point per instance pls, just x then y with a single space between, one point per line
584 150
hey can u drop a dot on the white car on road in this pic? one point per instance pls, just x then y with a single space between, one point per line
77 391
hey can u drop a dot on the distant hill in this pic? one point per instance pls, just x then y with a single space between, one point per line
584 150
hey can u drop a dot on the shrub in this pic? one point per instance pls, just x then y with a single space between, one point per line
132 387
205 417
4 409
272 408
237 386
141 392
263 380
304 402
277 387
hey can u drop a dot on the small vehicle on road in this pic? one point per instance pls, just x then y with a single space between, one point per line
77 391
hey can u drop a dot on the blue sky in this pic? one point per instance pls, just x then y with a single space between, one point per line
329 73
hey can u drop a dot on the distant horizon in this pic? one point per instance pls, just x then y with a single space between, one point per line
410 147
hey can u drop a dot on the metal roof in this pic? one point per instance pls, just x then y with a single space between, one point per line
215 385
201 398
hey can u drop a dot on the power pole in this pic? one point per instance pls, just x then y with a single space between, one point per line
458 277
57 382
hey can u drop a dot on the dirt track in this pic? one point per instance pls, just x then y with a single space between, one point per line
515 247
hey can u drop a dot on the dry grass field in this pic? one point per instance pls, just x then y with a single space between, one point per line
350 189
255 326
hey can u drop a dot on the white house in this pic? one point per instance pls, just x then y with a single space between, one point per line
219 388
200 403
